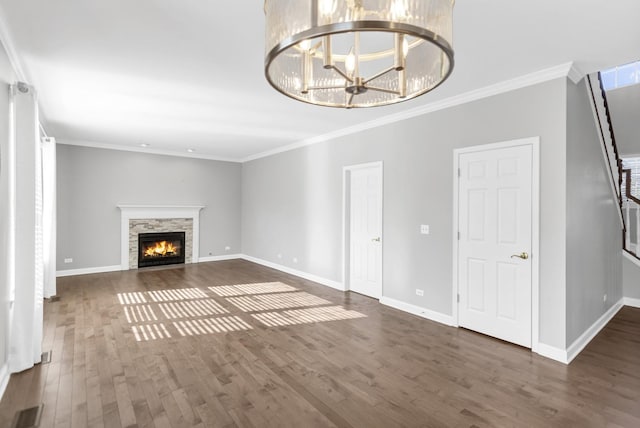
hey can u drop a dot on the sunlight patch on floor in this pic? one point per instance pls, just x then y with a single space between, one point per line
177 294
191 308
306 316
131 298
266 302
148 332
210 326
257 288
142 313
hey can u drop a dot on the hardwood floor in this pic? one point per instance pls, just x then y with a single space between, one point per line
127 354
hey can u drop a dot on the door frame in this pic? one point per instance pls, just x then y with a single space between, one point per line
534 142
346 222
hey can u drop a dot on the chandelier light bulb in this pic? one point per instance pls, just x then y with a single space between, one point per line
326 7
398 10
305 44
350 62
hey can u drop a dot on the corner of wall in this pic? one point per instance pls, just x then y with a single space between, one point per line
4 379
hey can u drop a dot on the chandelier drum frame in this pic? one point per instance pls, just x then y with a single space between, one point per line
354 83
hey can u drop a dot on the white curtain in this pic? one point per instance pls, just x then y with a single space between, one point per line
26 289
49 215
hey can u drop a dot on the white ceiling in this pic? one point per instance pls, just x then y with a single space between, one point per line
189 74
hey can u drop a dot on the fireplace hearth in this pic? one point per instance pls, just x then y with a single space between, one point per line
161 248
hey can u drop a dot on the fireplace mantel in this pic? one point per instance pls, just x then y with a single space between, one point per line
129 212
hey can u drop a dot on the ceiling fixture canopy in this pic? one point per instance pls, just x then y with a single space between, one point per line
357 53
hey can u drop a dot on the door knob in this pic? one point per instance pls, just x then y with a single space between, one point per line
523 255
376 239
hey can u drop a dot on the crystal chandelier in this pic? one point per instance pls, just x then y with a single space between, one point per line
357 53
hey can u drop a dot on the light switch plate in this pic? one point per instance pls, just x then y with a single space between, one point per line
424 229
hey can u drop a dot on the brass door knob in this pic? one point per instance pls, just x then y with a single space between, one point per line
523 255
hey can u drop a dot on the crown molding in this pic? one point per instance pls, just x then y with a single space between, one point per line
560 71
145 150
575 74
9 47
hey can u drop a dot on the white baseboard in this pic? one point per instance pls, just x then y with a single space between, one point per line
117 268
4 379
87 271
566 356
578 345
219 258
552 352
417 310
629 301
324 281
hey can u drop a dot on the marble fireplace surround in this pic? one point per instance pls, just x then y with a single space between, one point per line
155 212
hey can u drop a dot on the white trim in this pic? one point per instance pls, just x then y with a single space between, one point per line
563 70
146 150
575 74
552 352
129 212
631 302
219 258
346 252
534 142
631 258
4 379
579 344
421 312
324 281
87 271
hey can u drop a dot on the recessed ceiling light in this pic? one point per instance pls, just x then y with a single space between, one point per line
144 145
190 150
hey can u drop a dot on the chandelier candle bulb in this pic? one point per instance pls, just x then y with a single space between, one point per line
401 50
357 53
326 53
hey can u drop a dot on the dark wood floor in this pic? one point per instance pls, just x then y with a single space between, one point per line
127 355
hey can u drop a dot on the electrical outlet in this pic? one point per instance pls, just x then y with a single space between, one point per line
295 260
227 248
68 260
279 255
419 292
604 298
424 229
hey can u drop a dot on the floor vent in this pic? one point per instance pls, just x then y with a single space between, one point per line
28 418
46 357
54 299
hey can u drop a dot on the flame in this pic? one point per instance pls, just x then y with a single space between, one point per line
161 248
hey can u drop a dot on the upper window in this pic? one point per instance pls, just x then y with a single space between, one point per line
624 75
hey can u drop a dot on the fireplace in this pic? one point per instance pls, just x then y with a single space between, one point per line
163 248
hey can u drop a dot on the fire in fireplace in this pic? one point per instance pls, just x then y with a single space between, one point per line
164 248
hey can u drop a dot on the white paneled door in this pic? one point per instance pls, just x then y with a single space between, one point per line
365 226
495 226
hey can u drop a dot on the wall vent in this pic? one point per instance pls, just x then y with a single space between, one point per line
28 418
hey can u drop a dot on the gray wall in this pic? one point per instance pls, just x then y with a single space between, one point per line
292 202
624 105
7 77
594 237
631 279
91 182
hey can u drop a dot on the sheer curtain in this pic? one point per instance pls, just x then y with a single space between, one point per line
49 215
26 289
